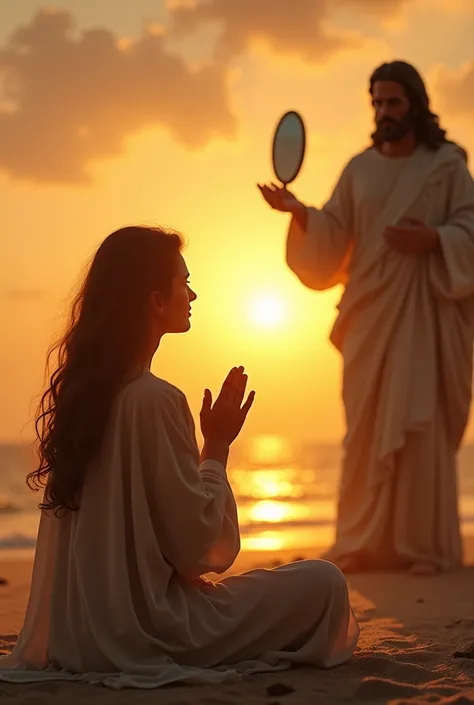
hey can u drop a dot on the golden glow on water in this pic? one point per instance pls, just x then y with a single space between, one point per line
301 541
262 484
281 504
282 512
267 510
263 542
285 507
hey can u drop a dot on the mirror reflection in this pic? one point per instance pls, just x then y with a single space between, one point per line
289 144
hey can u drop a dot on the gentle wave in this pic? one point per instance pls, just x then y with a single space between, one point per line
9 508
306 496
257 526
17 541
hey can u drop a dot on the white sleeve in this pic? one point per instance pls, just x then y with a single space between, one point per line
196 513
318 254
453 273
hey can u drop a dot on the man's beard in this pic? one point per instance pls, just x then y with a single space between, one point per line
389 130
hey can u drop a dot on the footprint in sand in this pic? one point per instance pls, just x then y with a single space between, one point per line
374 688
386 667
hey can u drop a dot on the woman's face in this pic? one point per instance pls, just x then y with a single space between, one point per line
173 313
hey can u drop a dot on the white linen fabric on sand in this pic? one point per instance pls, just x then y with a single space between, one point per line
116 595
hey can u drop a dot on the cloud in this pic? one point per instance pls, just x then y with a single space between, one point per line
382 8
67 99
298 28
70 98
455 90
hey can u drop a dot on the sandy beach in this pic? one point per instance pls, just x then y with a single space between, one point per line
411 632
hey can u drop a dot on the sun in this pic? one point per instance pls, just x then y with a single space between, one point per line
268 311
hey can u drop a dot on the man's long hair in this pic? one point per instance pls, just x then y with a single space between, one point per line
425 122
106 337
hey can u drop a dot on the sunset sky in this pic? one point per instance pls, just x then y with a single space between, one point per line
115 112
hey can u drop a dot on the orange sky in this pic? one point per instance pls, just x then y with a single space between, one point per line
160 145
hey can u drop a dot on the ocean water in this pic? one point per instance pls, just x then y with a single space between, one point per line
286 495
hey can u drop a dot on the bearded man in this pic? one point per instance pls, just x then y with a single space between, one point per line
398 233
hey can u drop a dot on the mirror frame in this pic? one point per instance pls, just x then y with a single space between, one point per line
303 150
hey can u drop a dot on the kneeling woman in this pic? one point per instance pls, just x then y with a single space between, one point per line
133 517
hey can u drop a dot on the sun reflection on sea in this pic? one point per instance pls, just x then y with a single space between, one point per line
282 505
267 510
261 484
264 542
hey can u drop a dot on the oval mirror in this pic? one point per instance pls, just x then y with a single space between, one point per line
289 145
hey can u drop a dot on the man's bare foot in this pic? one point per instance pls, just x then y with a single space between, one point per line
423 568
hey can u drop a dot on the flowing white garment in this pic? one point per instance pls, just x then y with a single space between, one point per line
405 330
114 597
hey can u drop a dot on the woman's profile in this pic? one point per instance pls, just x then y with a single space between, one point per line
134 516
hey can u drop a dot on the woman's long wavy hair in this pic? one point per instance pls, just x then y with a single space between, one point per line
105 340
425 122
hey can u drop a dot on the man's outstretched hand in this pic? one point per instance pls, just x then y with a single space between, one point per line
279 198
